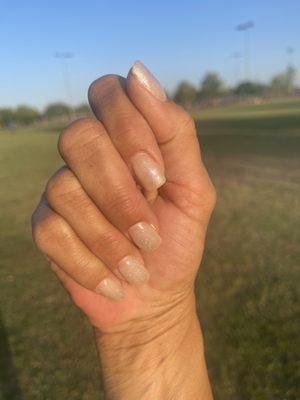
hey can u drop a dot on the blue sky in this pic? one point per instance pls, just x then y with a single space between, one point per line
175 39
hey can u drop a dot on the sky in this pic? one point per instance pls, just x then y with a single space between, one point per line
177 40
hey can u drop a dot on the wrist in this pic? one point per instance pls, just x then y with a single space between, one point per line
153 357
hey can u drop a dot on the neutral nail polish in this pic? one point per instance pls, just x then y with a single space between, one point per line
146 79
145 236
148 172
133 270
112 289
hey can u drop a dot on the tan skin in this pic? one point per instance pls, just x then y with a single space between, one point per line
150 342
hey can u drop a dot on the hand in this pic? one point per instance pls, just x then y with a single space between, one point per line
124 222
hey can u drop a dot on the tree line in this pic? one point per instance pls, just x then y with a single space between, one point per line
25 115
211 88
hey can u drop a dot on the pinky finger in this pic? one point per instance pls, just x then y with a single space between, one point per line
88 301
56 239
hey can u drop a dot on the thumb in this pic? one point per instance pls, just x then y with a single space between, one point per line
175 133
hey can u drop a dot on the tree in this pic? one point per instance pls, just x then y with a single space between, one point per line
250 89
284 83
211 85
25 115
7 116
22 115
83 110
185 94
57 110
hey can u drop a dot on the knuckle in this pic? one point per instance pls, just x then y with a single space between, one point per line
183 121
77 135
46 230
90 272
127 127
201 199
186 123
60 184
106 241
126 203
210 198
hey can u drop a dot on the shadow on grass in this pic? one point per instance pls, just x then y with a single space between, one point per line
9 386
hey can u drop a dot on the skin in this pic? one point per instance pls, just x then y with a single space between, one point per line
150 343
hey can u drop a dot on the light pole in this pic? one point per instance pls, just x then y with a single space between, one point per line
237 66
290 51
290 70
245 27
63 57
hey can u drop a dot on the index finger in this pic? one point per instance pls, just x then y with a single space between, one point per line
175 133
128 130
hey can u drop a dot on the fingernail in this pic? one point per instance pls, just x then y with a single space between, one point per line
145 236
148 172
111 289
133 270
146 79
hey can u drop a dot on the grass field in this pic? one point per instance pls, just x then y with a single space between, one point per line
248 286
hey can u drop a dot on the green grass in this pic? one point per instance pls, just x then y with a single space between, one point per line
249 278
268 109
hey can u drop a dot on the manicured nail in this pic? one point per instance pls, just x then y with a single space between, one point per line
145 236
148 172
111 289
133 270
147 80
